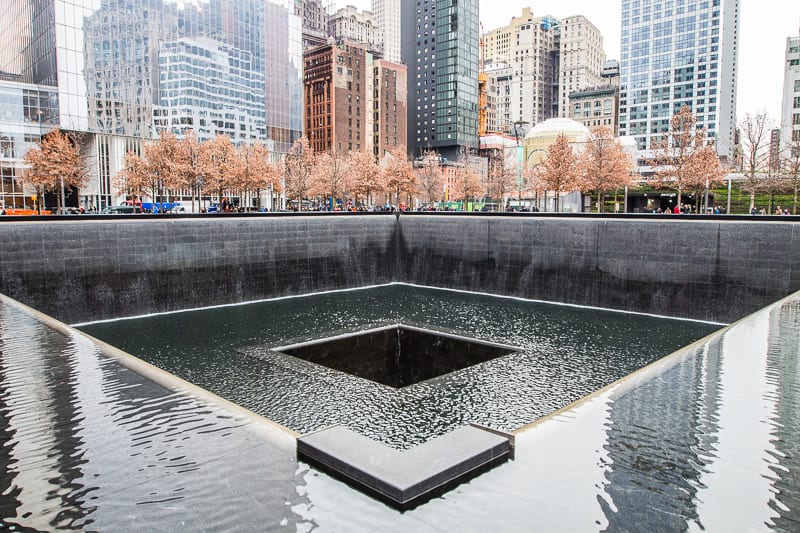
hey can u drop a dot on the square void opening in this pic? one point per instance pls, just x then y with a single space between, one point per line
397 356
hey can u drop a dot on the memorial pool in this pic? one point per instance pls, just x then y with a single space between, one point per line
565 353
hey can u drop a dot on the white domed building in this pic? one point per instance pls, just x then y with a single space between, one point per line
538 141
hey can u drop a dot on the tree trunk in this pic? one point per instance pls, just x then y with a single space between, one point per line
752 199
794 202
600 201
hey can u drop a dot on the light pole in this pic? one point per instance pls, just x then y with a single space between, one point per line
519 161
728 207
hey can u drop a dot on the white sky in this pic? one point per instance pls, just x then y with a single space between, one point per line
764 27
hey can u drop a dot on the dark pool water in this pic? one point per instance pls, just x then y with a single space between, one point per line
566 353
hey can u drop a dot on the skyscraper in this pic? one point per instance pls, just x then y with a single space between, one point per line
675 53
116 70
790 116
440 46
387 21
581 59
522 66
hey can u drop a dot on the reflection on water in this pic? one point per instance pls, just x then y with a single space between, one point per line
567 353
88 445
704 440
713 442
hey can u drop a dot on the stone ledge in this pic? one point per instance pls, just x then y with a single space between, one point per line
405 478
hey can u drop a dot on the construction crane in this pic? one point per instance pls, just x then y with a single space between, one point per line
482 82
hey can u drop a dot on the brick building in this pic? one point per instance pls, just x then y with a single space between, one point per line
352 100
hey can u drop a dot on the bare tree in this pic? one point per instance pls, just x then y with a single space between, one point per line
398 173
161 168
604 165
502 177
790 168
187 165
256 171
673 155
298 167
706 172
364 175
755 140
133 176
330 176
55 162
219 163
429 176
466 183
560 168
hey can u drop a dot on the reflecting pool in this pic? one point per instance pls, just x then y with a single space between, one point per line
564 354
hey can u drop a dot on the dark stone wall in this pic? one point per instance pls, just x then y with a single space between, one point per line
704 269
86 270
90 269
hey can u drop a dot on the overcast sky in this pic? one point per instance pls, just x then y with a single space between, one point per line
765 25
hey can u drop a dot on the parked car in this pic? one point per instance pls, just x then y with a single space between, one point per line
120 210
179 209
67 211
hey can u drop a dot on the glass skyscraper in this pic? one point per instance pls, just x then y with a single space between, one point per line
675 53
439 43
119 70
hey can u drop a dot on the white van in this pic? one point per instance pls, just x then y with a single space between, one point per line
181 209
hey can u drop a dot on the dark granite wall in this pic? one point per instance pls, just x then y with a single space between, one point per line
81 270
704 269
93 269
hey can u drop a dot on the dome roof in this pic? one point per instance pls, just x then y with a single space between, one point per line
553 126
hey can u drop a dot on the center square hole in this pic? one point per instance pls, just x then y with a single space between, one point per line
397 355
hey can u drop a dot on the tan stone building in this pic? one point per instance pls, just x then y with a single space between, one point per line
595 107
353 24
581 59
521 61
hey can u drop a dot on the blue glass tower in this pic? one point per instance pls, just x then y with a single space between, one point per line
675 53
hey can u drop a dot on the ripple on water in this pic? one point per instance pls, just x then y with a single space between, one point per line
90 445
567 353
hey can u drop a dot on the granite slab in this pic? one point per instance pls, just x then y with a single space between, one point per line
405 478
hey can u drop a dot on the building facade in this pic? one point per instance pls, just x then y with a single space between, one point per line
389 106
439 44
581 59
113 70
227 100
595 107
679 53
315 15
350 23
522 65
790 115
352 100
387 22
